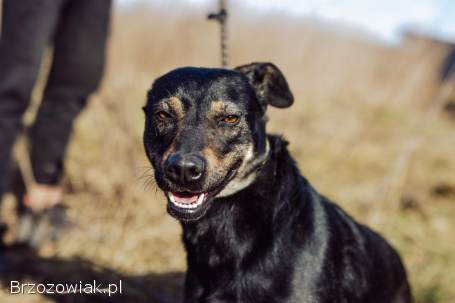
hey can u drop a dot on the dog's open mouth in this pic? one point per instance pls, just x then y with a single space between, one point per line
189 206
186 200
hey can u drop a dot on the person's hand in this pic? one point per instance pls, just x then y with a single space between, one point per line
42 196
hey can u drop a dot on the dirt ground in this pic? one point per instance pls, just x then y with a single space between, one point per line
358 104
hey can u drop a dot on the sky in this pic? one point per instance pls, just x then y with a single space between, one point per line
382 18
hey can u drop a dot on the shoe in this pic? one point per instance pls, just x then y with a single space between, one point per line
37 228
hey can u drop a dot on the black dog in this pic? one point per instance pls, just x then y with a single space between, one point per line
253 227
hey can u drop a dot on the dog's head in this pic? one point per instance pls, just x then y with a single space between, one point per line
205 131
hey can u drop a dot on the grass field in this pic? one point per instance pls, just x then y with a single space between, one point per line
358 103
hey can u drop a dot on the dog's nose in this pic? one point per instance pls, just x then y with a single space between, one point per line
184 169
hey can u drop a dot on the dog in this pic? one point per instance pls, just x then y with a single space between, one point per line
254 228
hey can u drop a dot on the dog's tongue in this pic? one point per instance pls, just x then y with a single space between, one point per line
185 197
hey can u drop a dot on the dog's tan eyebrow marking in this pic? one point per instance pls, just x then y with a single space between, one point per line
218 106
221 107
176 105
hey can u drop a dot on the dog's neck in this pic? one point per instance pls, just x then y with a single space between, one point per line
229 223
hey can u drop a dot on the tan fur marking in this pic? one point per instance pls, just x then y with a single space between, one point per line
212 158
217 108
244 176
176 106
217 161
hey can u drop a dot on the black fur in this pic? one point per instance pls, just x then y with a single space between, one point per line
278 240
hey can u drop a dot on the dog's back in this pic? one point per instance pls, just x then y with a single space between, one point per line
358 263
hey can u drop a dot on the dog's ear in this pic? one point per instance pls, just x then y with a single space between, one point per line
269 83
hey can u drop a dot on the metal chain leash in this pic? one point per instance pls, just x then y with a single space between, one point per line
221 16
1 16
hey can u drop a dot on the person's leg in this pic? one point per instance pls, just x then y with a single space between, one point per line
79 54
27 26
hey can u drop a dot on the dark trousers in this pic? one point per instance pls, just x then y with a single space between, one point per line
77 30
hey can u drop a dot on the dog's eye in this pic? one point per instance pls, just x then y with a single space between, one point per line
231 119
162 115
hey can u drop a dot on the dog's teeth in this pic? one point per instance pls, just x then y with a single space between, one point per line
192 205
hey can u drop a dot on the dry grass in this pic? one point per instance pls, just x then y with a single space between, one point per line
356 104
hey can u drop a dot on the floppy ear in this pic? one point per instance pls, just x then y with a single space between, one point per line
269 83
